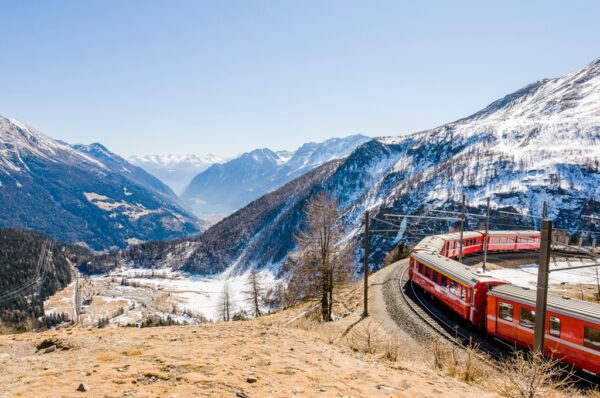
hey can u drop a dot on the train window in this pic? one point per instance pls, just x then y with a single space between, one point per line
527 318
434 277
506 311
444 282
554 326
591 337
452 286
421 269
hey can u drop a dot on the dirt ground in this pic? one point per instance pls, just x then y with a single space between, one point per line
279 355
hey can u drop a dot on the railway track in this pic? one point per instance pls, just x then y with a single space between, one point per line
461 335
452 330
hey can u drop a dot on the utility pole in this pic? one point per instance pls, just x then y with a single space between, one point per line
366 268
485 237
545 211
77 298
542 287
462 229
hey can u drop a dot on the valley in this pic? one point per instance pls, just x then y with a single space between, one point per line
130 296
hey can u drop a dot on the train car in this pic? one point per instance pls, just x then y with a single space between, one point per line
453 284
572 326
512 240
472 243
432 244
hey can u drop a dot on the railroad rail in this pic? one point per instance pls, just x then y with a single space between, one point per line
441 326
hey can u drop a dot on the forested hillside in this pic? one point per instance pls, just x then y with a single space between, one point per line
19 255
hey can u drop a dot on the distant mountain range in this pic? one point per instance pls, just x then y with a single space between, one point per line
175 170
226 187
83 193
540 143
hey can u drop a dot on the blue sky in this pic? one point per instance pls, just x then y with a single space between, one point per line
228 76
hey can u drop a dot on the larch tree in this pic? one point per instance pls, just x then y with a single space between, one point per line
225 303
323 259
255 291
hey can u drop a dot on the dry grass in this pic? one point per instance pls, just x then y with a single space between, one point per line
469 365
107 357
393 348
131 353
366 337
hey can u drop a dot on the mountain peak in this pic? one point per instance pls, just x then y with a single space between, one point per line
229 186
575 95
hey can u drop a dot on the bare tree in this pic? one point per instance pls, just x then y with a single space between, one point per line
225 303
254 291
322 259
531 375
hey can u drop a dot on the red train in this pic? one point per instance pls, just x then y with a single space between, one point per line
501 309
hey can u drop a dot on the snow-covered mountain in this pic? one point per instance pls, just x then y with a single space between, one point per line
541 143
175 170
224 188
82 193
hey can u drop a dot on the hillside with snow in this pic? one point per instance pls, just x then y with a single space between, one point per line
226 187
175 170
541 143
83 193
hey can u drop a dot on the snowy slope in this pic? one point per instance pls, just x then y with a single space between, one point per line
83 194
541 143
175 170
224 188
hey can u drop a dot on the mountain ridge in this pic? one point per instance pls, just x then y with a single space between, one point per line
226 187
82 194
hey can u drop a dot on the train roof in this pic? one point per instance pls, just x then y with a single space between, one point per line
456 235
432 243
568 306
454 269
512 233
